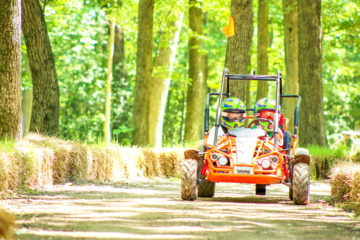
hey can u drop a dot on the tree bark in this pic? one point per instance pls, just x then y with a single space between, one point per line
312 121
238 46
205 70
120 101
163 67
45 111
195 91
143 73
27 99
262 47
10 69
291 43
107 130
119 64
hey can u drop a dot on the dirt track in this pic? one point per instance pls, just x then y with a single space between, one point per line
154 210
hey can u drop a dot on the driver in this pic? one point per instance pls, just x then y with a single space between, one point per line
265 109
233 112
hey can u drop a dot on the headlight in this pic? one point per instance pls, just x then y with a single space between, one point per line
214 156
274 159
223 161
265 163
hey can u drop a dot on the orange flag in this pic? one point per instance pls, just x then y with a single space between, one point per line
229 30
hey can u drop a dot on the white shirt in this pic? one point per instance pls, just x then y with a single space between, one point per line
210 139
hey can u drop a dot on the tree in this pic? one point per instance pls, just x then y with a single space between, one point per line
45 111
120 101
143 73
312 122
10 68
262 47
291 57
163 67
238 47
195 92
107 130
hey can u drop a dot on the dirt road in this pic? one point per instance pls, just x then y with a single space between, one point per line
154 210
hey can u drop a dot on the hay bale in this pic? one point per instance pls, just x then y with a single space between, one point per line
134 162
4 159
35 165
78 164
101 165
11 168
340 182
354 195
152 166
61 163
7 225
170 161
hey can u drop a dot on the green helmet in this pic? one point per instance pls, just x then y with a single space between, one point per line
269 127
232 105
265 104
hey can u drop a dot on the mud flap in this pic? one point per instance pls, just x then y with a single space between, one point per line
301 156
194 154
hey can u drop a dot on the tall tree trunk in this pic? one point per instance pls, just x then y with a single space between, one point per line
291 58
10 69
205 70
119 64
194 107
163 67
262 47
312 121
120 101
107 130
238 46
27 99
143 73
45 112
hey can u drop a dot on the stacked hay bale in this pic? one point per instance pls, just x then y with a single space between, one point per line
7 225
38 160
345 185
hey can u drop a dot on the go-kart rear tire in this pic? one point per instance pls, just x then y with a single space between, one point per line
189 179
260 189
301 184
206 189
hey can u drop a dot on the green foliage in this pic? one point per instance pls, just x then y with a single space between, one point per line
78 32
7 145
341 64
340 152
324 158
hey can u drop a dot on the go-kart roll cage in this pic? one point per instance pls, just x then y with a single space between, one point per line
279 97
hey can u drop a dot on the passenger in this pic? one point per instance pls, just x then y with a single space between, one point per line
264 110
233 112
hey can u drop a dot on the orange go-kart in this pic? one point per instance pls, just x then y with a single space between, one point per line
248 155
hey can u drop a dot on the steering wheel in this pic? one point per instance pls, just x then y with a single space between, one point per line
256 121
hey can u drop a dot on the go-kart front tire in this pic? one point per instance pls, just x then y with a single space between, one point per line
301 184
189 179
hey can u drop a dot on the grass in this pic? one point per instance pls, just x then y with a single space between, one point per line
324 158
7 145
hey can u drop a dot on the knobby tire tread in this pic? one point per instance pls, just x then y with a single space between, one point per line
189 179
301 184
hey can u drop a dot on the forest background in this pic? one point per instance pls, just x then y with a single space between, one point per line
79 33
